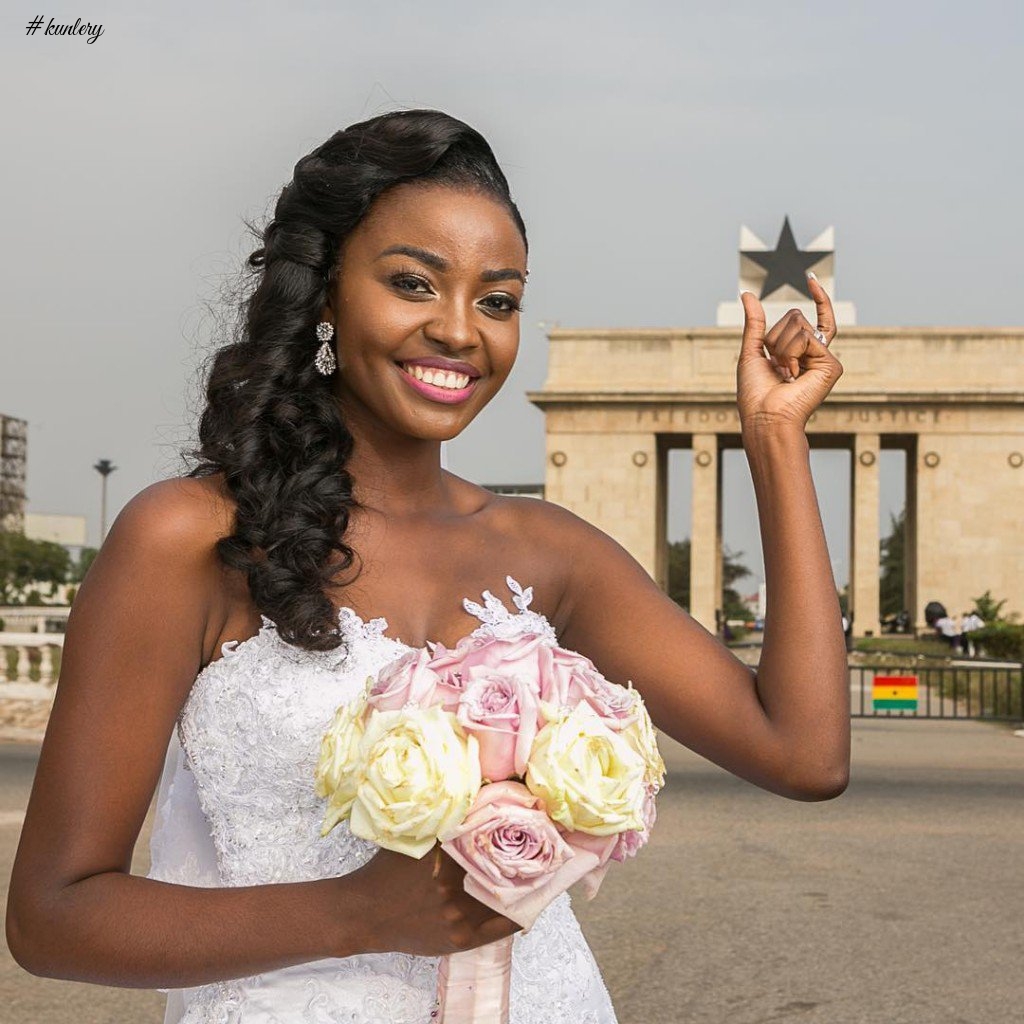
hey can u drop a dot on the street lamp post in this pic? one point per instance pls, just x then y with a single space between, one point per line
104 467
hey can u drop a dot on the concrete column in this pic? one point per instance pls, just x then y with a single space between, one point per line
612 481
864 497
705 572
22 667
46 664
661 514
969 488
910 600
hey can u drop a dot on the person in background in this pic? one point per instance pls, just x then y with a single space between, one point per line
946 627
970 622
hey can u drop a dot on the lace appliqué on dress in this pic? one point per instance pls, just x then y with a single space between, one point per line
498 621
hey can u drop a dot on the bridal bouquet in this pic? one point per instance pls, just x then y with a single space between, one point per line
530 768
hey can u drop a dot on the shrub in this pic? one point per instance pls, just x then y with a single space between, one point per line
1001 640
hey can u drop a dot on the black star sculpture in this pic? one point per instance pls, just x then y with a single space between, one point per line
786 264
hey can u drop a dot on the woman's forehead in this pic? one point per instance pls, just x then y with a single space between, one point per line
426 217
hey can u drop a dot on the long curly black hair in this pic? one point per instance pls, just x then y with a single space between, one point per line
271 423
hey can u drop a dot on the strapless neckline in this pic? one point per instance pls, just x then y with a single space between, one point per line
352 625
494 616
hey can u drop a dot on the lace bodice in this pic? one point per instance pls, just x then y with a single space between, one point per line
237 807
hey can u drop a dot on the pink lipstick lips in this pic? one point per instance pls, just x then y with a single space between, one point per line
448 396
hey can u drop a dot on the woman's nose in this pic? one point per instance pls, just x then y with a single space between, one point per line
453 324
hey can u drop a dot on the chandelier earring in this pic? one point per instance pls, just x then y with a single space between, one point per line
325 361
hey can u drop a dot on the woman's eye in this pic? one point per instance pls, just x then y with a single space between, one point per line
508 303
399 278
498 303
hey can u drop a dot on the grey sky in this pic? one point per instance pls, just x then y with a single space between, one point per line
636 138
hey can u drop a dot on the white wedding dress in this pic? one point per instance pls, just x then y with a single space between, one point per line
236 806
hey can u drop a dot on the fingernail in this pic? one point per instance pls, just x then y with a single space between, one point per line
811 274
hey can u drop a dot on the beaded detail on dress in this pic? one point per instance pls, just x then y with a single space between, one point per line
250 734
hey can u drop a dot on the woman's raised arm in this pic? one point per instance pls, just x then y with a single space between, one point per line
786 726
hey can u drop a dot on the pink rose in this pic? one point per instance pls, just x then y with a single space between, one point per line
406 680
502 711
574 677
447 666
629 842
562 684
516 860
519 656
524 657
599 850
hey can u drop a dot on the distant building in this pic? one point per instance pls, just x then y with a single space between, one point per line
528 490
13 456
946 401
68 531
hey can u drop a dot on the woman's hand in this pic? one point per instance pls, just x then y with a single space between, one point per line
419 906
782 389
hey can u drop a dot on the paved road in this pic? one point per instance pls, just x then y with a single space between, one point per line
900 902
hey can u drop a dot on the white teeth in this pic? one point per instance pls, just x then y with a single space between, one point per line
439 378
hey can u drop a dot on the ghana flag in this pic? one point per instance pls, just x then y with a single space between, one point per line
895 692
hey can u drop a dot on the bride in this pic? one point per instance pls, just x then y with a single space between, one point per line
231 610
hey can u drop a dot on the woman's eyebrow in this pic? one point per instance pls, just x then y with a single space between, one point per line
431 259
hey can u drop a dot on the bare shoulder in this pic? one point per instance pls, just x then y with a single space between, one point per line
559 530
162 547
556 535
189 513
550 523
534 538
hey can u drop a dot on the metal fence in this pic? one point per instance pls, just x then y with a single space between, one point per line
967 691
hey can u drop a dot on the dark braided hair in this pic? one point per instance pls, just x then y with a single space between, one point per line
273 425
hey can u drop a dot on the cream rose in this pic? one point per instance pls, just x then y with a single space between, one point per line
418 775
337 767
590 779
641 736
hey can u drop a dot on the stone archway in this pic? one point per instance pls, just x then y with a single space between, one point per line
616 401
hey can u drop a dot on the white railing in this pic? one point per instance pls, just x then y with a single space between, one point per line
23 685
31 618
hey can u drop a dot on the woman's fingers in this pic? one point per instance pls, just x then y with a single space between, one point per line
792 344
753 324
792 336
795 346
823 304
783 325
784 343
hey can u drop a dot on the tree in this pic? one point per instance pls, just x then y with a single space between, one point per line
732 570
81 567
989 610
891 552
679 572
26 563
